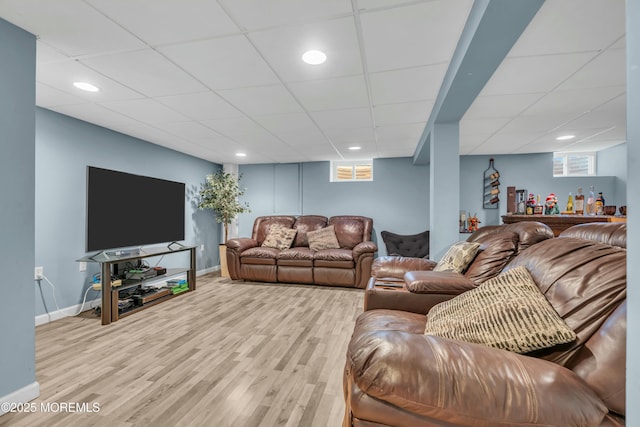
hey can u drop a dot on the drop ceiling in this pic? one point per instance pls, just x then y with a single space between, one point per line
213 78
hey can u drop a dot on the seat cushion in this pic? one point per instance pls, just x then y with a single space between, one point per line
260 252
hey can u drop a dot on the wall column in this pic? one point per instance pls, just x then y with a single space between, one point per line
17 215
633 209
444 194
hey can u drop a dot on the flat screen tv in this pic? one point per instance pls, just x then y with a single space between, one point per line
127 210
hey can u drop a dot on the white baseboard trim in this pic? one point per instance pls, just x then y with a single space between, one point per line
72 310
23 395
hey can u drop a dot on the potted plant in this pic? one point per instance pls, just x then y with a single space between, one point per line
220 193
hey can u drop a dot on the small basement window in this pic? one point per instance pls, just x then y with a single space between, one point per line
574 164
358 170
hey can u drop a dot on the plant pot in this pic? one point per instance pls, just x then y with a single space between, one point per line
224 270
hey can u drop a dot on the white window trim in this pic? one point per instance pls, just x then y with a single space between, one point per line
333 171
565 163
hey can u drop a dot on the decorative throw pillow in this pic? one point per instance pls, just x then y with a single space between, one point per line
458 257
325 238
508 312
279 237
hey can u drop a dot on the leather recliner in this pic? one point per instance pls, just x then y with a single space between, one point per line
349 265
395 375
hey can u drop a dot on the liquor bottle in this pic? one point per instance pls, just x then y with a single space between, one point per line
580 202
538 209
600 204
570 204
591 202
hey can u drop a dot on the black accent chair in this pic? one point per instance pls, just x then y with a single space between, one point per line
414 245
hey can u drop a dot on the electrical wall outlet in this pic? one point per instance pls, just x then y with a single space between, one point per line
202 248
82 266
38 273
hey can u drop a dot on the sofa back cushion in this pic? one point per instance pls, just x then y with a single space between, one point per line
610 233
262 225
600 363
584 281
351 230
529 233
306 223
495 252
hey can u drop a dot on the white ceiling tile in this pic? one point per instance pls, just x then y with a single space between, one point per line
61 75
534 74
338 93
200 106
253 14
497 106
485 126
349 118
145 110
132 69
572 26
61 21
574 101
189 130
48 97
231 124
101 116
538 124
46 54
419 34
608 69
287 122
408 112
376 4
224 63
162 22
410 84
405 132
283 48
262 100
351 135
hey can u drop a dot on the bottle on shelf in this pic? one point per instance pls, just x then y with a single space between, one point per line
538 209
569 209
600 204
579 202
591 202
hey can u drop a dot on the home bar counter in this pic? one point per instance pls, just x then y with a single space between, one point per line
559 223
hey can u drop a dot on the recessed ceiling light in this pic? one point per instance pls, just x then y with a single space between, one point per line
565 137
314 57
354 148
86 86
241 154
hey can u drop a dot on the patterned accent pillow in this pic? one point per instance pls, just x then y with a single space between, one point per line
458 257
508 312
325 238
279 237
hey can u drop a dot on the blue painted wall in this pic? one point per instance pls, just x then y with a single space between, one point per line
396 199
17 186
534 173
64 148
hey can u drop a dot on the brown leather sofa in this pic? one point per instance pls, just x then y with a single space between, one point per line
395 375
349 266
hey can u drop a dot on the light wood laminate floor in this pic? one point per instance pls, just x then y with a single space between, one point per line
229 354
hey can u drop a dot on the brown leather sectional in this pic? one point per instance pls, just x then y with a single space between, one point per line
349 266
397 376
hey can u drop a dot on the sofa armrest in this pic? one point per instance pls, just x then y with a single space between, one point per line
241 244
437 282
366 247
442 381
397 266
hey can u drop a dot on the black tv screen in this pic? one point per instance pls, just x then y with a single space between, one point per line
125 210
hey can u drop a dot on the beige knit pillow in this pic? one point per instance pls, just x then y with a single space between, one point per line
279 237
458 257
507 312
325 238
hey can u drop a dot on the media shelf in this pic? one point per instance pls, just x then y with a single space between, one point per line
110 312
